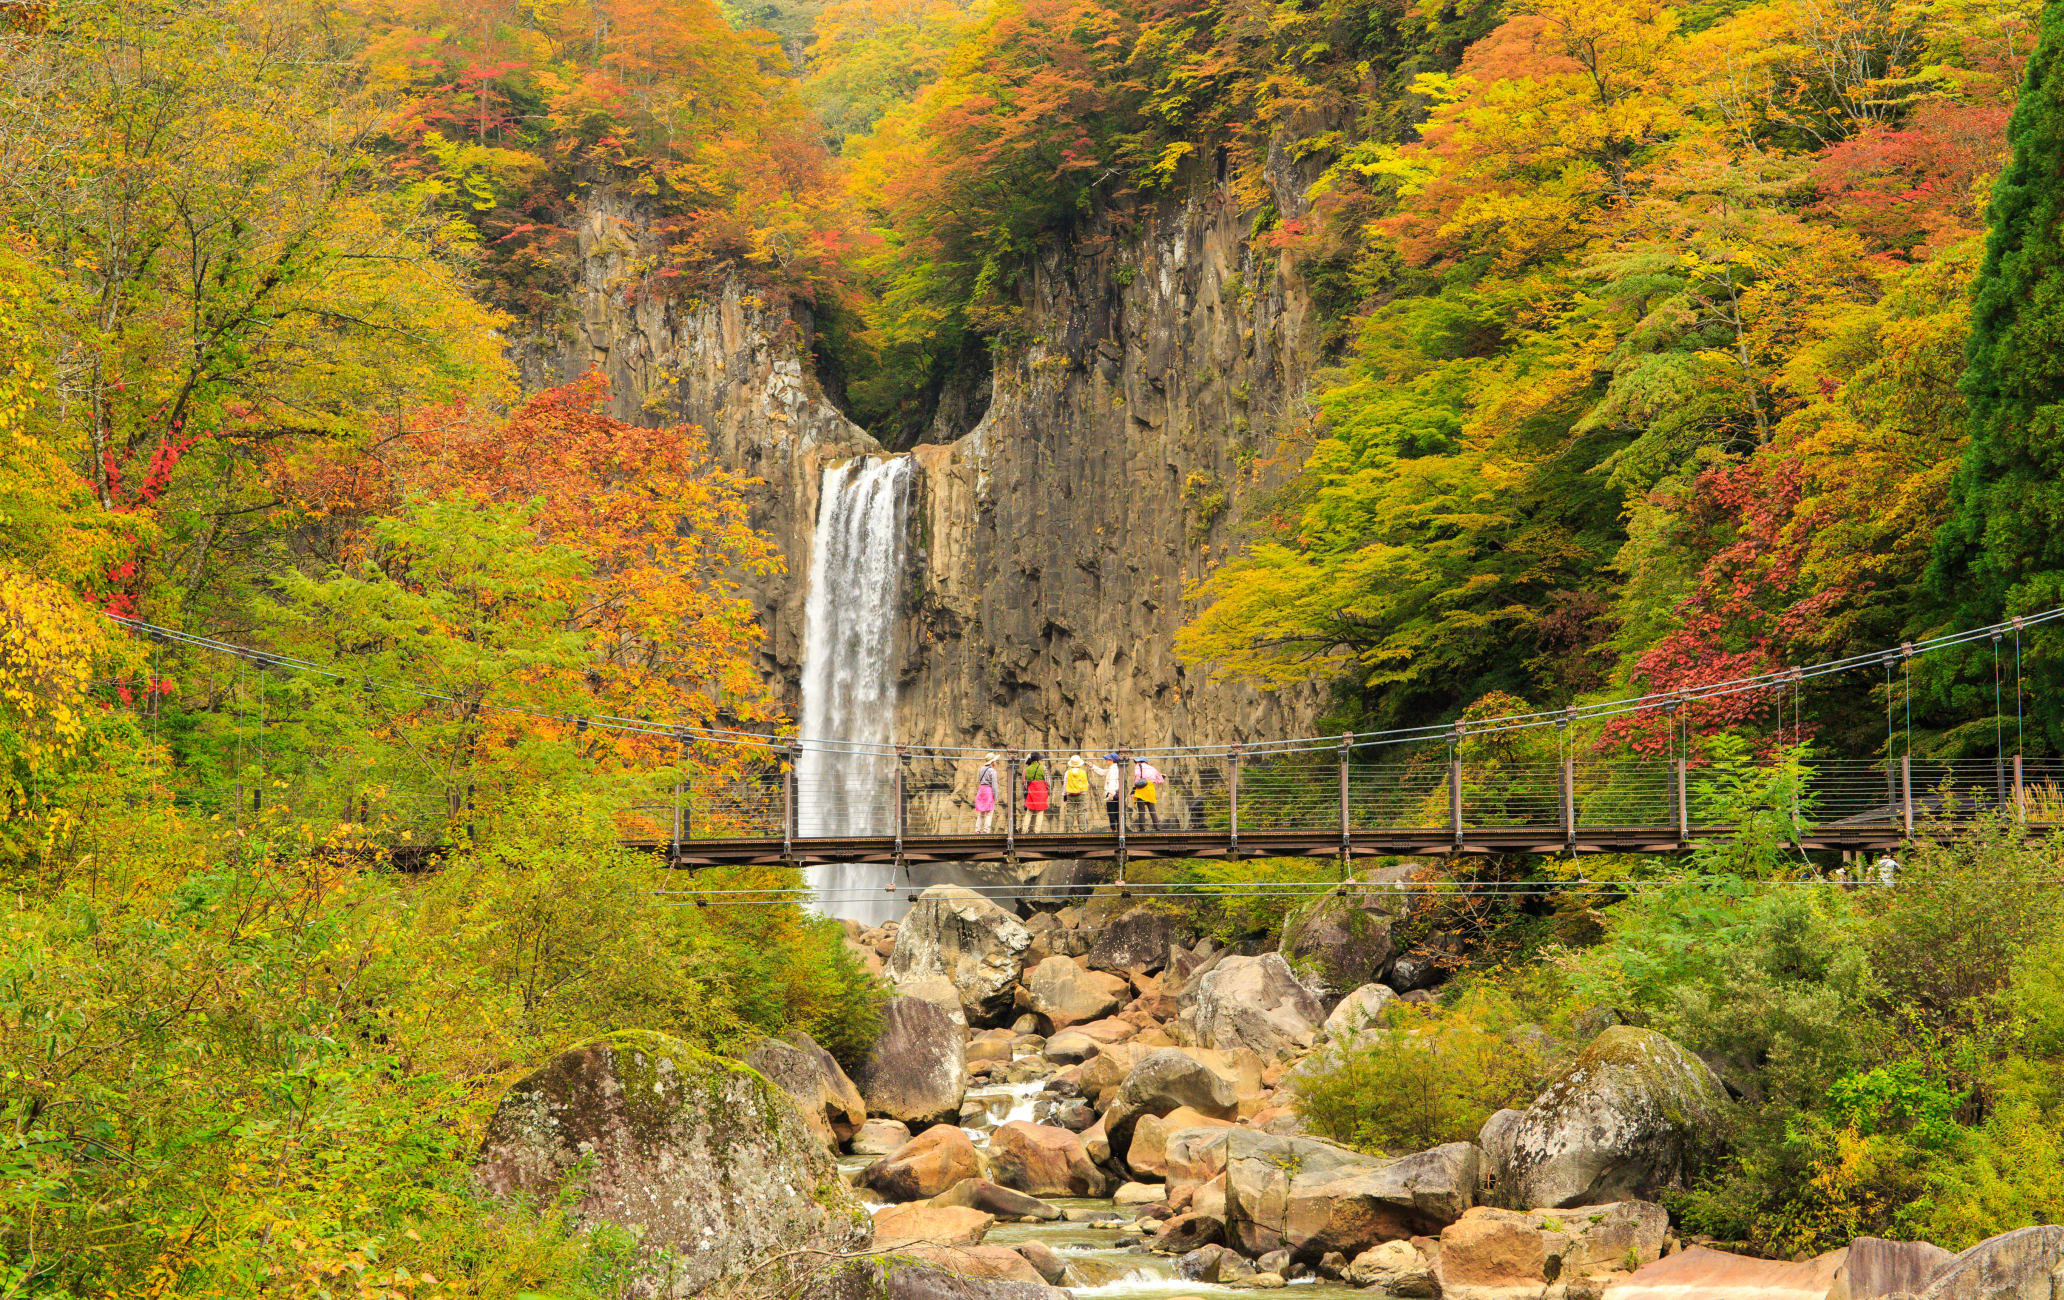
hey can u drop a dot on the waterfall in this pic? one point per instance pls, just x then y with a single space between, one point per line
849 676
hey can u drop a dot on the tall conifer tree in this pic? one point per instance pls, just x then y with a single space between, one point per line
2002 548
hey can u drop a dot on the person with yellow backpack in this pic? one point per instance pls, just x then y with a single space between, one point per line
1075 795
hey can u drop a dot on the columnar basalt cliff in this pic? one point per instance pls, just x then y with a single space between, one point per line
1160 393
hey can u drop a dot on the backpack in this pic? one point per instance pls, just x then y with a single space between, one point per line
1076 782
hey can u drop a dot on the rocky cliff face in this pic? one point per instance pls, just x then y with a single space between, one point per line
1052 543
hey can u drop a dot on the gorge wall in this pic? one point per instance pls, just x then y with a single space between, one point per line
1160 397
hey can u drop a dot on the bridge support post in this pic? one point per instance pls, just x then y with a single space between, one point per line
1010 812
1124 806
1455 798
680 805
1233 804
902 809
1569 802
788 804
1683 806
2020 793
1906 793
1346 815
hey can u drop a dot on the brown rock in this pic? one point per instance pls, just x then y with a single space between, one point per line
1051 1268
1147 1156
1186 1232
879 1137
1107 1031
1003 1202
1699 1272
830 1102
1043 1160
1876 1268
917 1069
925 1166
1067 993
917 1224
992 1263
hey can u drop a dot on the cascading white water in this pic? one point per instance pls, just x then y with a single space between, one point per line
849 676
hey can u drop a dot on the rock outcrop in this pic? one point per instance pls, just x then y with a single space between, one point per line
957 933
1042 1160
1311 1197
925 1166
1700 1272
1334 944
1616 1126
916 1070
1068 994
2025 1264
1250 1002
830 1101
714 1166
1491 1254
1163 1082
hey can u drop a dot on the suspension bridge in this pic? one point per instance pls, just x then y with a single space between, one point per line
740 798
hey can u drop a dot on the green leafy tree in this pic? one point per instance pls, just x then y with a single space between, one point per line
2002 548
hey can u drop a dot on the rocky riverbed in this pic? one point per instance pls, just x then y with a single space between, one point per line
1094 1101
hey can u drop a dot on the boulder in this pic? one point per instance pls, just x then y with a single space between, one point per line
1311 1197
1070 1046
1137 940
1067 993
1250 1002
1107 1031
1358 1013
955 932
1138 1194
1043 1161
1492 1254
1495 1137
1147 1155
925 1224
1213 1264
1876 1268
1046 1262
1702 1272
829 1101
2017 1265
926 1275
1209 1198
711 1164
991 1264
1394 1268
1615 1127
1186 1232
1195 1155
1101 1074
878 1137
925 1166
1162 1082
916 1070
1003 1202
1334 944
939 990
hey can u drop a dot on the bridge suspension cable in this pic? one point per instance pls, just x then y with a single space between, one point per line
1668 701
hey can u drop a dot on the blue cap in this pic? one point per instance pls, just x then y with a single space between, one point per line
1111 757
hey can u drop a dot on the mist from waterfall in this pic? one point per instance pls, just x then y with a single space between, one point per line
849 677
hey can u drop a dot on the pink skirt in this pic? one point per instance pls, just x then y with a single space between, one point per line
985 798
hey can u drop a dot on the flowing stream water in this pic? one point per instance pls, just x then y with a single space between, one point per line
849 677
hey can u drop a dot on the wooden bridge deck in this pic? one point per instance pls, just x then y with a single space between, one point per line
1439 841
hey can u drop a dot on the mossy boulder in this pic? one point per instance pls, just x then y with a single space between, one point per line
1334 944
1617 1126
710 1165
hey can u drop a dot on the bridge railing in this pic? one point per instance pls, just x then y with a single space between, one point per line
1310 793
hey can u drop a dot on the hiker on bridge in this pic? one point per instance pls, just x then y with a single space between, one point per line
1146 795
986 785
1038 795
1113 782
1075 795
